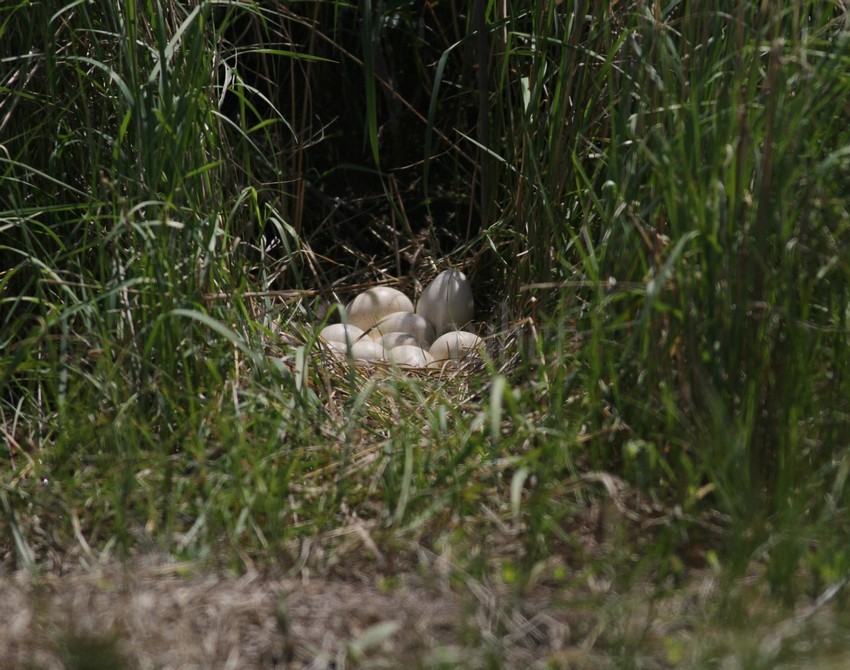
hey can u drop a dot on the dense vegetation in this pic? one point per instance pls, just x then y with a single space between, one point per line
651 200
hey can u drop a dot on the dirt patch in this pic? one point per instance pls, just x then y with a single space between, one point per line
172 616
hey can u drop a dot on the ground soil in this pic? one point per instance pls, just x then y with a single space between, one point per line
171 615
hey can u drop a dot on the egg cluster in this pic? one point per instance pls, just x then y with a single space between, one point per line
381 324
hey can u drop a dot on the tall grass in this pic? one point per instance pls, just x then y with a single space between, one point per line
120 212
651 202
676 175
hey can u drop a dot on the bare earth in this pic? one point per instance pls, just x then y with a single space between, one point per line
156 613
170 616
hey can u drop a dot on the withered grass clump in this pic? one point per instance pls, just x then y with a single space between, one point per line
165 615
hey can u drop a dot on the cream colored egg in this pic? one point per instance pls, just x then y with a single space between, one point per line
396 339
339 332
361 350
454 344
337 347
367 350
374 304
405 322
409 356
447 302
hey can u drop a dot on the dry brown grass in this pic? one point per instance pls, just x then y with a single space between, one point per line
162 614
165 615
355 600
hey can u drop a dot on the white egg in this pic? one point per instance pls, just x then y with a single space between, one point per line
337 347
405 322
367 350
408 356
396 339
339 332
447 301
374 304
361 350
454 344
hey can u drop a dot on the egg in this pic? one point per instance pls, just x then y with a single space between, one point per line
405 322
362 350
454 344
343 333
397 338
374 304
337 347
367 350
409 356
446 303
